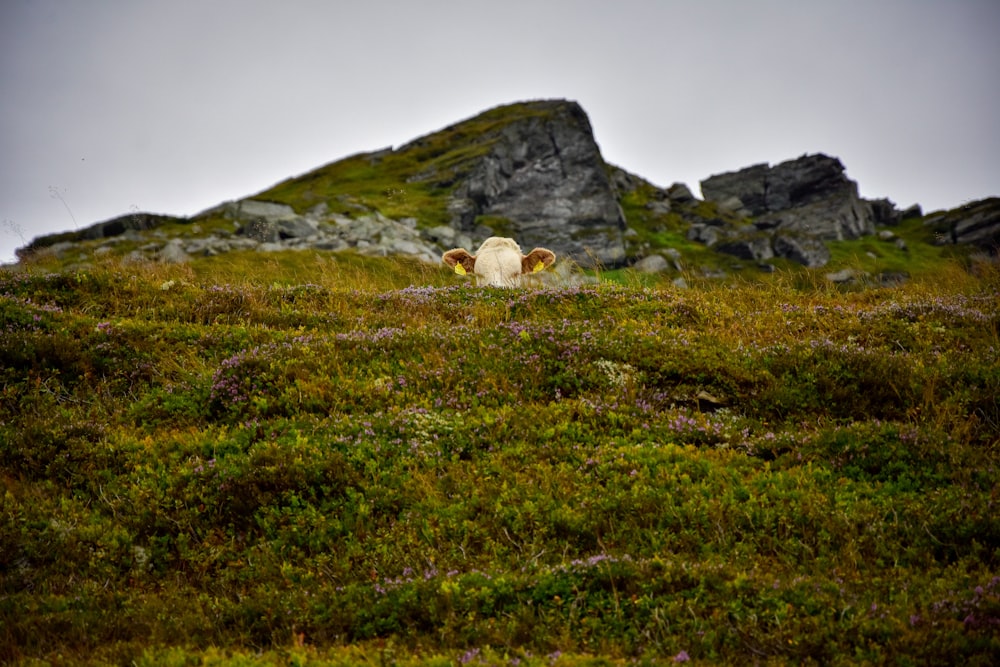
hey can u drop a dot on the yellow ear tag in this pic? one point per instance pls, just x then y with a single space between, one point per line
459 269
538 267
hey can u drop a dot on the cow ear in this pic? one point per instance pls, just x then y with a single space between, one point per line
460 260
537 260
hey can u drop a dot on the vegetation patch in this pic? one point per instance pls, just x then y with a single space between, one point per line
315 459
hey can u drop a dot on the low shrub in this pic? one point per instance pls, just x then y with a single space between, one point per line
312 473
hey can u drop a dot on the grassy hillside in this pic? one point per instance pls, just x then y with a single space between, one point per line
303 459
414 180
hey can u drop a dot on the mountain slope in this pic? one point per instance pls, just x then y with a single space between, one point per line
531 170
534 171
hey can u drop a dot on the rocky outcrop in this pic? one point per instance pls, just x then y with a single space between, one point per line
976 223
800 203
116 227
545 183
811 195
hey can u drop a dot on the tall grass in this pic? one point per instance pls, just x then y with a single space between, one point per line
336 460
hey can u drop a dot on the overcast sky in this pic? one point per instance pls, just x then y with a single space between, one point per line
173 106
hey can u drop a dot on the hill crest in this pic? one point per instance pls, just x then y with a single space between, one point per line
533 170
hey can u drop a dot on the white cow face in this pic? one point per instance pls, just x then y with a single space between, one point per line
498 262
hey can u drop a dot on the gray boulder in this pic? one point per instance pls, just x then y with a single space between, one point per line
270 222
842 276
652 264
122 224
251 209
702 233
206 246
680 193
755 247
173 252
805 250
884 212
446 238
412 247
273 231
442 234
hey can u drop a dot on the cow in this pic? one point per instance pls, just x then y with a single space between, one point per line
498 262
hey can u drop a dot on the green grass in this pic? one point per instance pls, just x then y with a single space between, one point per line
873 256
341 271
311 459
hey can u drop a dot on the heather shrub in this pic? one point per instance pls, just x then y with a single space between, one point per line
276 472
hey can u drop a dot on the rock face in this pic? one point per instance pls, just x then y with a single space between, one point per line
545 183
799 204
976 223
810 195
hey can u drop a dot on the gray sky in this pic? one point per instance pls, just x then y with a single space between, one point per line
172 106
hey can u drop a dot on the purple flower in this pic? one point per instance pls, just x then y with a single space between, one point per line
682 657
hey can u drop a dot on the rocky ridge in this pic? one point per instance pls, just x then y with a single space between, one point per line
535 172
791 208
